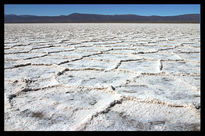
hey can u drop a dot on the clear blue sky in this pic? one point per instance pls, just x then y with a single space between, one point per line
65 9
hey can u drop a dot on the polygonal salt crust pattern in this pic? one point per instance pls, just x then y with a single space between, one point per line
76 76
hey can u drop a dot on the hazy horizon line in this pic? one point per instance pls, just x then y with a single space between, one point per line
99 14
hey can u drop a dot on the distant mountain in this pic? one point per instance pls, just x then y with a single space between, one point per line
95 18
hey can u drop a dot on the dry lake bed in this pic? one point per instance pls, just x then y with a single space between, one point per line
102 77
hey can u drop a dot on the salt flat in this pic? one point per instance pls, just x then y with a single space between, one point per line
102 77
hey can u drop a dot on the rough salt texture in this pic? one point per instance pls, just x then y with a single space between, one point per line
102 77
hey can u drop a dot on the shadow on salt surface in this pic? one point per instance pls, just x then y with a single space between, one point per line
181 67
114 57
159 55
87 63
194 81
164 88
55 108
190 56
20 56
141 66
145 117
115 121
30 72
47 60
93 79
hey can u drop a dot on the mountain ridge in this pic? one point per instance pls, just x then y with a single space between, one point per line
99 18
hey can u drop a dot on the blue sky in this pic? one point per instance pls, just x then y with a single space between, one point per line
109 9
